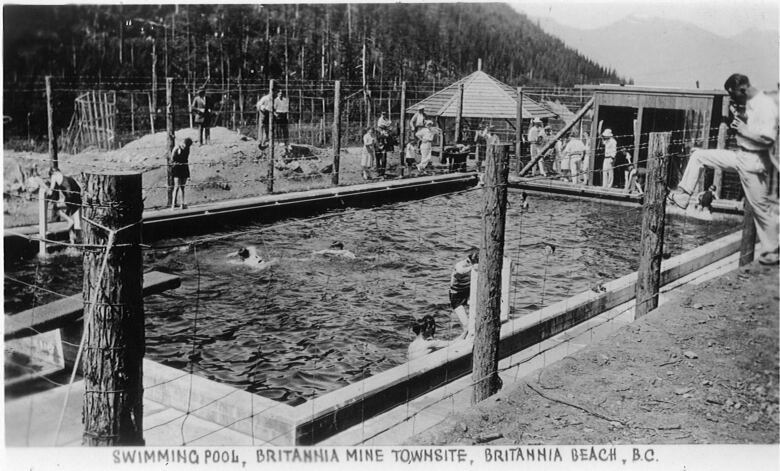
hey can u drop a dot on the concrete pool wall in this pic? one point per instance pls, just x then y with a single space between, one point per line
276 423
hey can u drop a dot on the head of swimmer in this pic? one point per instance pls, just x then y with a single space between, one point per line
337 245
425 326
473 256
242 253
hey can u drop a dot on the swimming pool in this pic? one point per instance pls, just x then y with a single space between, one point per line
312 324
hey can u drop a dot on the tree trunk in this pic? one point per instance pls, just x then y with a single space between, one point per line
53 158
169 126
336 131
113 313
491 255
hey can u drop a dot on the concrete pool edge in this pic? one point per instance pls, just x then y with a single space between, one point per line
277 423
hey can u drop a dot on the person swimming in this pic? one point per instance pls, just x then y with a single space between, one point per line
248 256
336 249
424 329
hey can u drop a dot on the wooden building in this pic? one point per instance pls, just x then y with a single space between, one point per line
693 116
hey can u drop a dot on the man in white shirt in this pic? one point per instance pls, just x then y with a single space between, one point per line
610 151
575 152
426 136
383 122
264 106
756 134
281 109
536 141
418 120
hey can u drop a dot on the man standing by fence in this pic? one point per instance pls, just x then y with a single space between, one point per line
264 105
281 110
202 111
757 168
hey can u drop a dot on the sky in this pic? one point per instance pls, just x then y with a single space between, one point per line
723 17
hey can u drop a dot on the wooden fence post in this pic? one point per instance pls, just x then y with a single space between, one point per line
458 116
651 244
42 221
336 131
748 245
519 129
271 143
53 161
132 114
403 127
151 112
169 126
114 339
491 255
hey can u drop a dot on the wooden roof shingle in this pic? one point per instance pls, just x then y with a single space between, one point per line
484 96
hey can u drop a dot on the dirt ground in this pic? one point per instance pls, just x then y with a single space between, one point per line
703 368
231 166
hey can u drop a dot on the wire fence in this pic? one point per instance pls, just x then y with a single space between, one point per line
537 240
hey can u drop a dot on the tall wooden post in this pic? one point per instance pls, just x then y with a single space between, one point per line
717 179
114 340
519 129
491 255
459 116
153 105
336 131
42 221
151 112
53 161
748 245
171 137
132 113
403 127
651 244
271 143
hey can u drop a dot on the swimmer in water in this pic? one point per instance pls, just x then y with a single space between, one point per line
248 256
424 343
336 249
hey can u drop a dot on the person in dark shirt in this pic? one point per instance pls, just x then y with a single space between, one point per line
460 289
705 199
65 194
180 170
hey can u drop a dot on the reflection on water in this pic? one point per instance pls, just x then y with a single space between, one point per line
312 324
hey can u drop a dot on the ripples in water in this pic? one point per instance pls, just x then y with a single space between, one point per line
312 324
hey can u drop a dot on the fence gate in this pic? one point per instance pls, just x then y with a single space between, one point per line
93 123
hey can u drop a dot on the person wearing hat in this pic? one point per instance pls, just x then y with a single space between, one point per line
202 112
180 170
536 141
610 150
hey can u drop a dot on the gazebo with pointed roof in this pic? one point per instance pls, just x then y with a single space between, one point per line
484 97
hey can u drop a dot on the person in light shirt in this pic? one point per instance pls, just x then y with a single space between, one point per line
281 111
610 151
575 152
426 136
754 160
536 141
264 105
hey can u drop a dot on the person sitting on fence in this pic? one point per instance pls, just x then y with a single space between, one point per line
424 329
202 111
426 136
705 198
369 153
383 122
281 111
248 256
264 105
336 249
65 196
460 289
754 161
180 170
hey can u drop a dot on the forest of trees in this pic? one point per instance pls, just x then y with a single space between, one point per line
218 43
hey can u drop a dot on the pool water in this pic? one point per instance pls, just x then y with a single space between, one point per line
312 324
